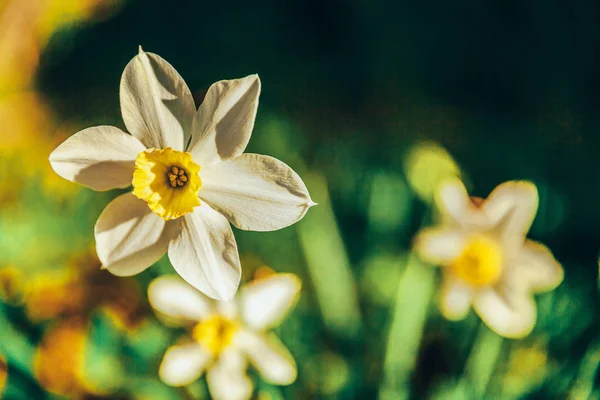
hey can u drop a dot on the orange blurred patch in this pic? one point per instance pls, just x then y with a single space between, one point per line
49 296
59 359
82 289
263 272
125 307
18 44
3 373
254 268
26 27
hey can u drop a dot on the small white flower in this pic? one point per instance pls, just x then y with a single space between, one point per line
189 177
226 335
487 261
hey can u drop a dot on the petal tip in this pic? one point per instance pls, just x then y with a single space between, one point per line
451 183
419 243
293 279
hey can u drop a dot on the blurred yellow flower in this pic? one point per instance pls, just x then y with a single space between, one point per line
487 260
171 207
226 335
426 166
527 367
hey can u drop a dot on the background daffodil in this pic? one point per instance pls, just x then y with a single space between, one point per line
189 177
225 336
488 262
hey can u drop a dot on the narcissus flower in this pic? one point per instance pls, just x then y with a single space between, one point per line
225 336
189 177
487 261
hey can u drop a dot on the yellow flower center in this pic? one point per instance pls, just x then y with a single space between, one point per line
480 263
168 181
215 333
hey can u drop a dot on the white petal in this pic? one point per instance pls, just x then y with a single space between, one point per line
440 245
455 298
536 266
455 202
172 296
224 121
265 302
509 313
228 309
227 378
256 192
269 356
205 254
101 158
512 207
183 364
156 104
130 237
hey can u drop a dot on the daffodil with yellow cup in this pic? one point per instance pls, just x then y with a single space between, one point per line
487 261
189 176
226 336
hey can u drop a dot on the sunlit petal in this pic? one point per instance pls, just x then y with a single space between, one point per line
205 254
440 245
509 313
512 207
100 158
536 266
227 378
456 298
256 192
269 356
224 121
183 364
156 103
130 237
172 296
265 302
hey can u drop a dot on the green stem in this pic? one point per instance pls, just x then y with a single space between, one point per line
414 294
482 361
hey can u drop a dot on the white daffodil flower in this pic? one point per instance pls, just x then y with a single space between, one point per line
225 336
189 177
487 261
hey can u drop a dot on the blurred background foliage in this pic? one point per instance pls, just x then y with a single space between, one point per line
373 103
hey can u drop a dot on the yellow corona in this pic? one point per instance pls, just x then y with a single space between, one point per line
480 263
168 180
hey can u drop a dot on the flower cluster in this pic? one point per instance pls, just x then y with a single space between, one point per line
190 179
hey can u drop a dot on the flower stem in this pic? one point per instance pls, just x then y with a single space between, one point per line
409 315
